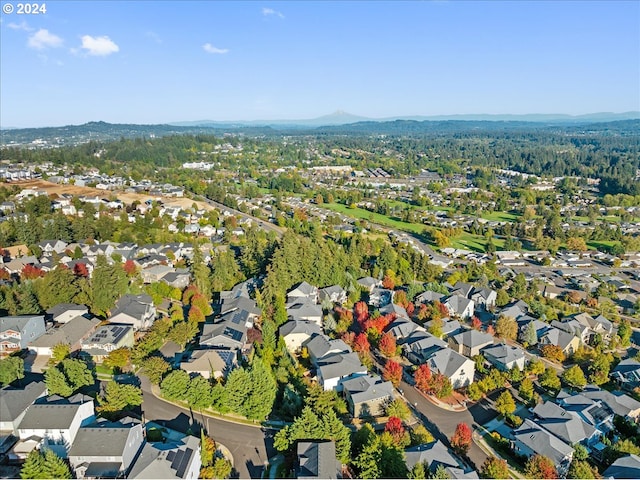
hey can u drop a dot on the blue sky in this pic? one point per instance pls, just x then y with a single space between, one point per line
165 61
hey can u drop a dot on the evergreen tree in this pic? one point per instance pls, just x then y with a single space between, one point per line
119 397
57 383
55 467
108 283
529 335
77 373
11 368
33 467
200 272
199 392
175 385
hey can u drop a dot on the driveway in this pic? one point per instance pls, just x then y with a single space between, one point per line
250 446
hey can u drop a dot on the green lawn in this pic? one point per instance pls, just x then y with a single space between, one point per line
477 243
500 216
362 214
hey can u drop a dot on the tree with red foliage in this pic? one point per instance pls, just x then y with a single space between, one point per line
388 283
422 377
491 330
540 466
189 293
29 272
400 298
396 429
195 314
361 343
362 312
130 268
410 308
81 270
388 345
349 338
461 440
392 372
476 324
423 312
442 308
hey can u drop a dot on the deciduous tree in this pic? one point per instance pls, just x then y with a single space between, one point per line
461 439
392 372
540 467
494 467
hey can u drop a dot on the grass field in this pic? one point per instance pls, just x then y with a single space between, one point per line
500 216
362 214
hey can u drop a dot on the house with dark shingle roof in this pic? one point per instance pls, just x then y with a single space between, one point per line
619 402
316 460
334 369
17 331
565 424
71 333
367 395
106 339
459 306
106 449
625 467
504 357
302 292
64 312
457 368
169 460
470 342
530 439
14 401
436 454
296 333
135 310
627 373
216 363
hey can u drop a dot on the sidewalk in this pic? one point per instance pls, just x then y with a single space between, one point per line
444 405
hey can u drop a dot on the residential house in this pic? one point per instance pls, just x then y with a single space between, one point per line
16 332
515 309
333 294
56 421
504 357
463 289
155 274
71 333
624 467
619 402
301 293
597 326
229 334
449 327
50 246
420 345
216 363
317 460
484 298
170 459
436 454
106 339
177 279
457 368
530 439
305 311
459 306
379 297
335 368
594 412
567 342
401 328
428 297
296 333
64 312
566 425
369 283
135 310
367 395
106 449
14 401
572 326
627 373
470 342
320 346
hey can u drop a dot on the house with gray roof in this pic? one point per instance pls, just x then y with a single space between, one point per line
484 298
428 297
504 357
55 422
627 373
420 345
436 454
305 311
394 309
71 333
369 283
17 331
106 339
565 424
462 288
401 328
568 342
14 401
240 303
594 412
333 294
216 363
624 467
572 326
106 449
334 369
135 310
64 312
296 333
379 297
302 292
530 439
177 279
470 342
367 395
457 368
316 460
230 333
168 460
620 403
459 306
319 346
155 273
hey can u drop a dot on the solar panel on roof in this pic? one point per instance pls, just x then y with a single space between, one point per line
234 334
170 456
184 462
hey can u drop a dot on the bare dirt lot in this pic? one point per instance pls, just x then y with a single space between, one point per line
127 198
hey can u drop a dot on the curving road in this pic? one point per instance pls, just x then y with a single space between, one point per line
250 447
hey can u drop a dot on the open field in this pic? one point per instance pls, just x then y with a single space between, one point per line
127 198
378 218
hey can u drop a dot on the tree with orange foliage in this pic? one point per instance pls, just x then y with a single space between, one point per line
410 308
476 324
387 345
378 324
362 312
396 429
388 283
540 466
491 330
188 294
81 270
400 298
461 440
442 308
392 372
361 343
422 377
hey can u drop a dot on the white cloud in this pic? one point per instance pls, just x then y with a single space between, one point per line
44 39
270 11
20 26
99 46
211 49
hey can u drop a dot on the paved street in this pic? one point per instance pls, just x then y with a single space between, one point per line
250 447
442 423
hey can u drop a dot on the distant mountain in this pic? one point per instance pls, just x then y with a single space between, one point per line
343 118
